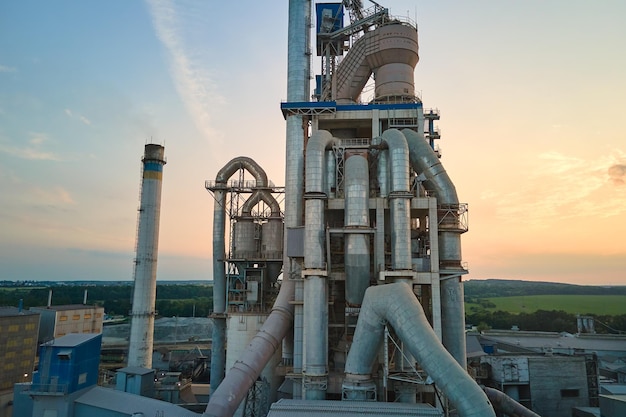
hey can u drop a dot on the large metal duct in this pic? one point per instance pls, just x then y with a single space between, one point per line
391 52
218 344
315 285
383 177
144 292
298 90
425 161
244 373
399 200
356 221
507 405
397 305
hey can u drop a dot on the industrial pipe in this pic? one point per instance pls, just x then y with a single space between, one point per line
356 218
399 200
298 90
397 305
244 373
391 53
507 405
315 285
218 338
425 161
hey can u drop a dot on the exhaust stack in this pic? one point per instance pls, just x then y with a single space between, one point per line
144 292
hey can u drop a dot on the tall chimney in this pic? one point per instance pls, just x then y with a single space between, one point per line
144 294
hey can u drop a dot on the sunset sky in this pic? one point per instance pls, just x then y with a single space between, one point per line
531 93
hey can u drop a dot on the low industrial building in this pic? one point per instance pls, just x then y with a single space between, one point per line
65 386
558 383
556 374
18 348
58 321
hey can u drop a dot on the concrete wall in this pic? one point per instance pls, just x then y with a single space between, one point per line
558 383
82 320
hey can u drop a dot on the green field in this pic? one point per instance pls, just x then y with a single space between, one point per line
575 304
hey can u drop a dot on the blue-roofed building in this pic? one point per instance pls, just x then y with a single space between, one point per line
66 385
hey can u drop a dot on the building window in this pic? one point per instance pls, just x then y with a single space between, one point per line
63 318
76 317
30 326
14 327
87 316
569 393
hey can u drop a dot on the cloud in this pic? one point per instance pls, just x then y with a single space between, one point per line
80 117
4 68
562 186
193 83
55 196
617 173
32 151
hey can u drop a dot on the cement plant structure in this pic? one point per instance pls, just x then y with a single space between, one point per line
370 305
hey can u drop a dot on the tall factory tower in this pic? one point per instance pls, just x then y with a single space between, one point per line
144 294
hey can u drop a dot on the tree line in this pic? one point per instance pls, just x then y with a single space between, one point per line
543 321
172 300
492 288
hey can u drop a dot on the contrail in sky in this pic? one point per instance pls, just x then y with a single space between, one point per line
193 83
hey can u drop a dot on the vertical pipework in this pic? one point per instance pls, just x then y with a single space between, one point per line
218 334
144 292
356 218
399 200
424 160
298 90
315 285
218 337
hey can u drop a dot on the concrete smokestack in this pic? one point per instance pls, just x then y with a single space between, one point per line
144 293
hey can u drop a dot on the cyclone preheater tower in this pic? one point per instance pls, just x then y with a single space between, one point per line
144 291
372 232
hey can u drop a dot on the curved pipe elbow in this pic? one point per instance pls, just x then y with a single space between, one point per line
315 156
397 305
398 160
242 162
424 160
507 405
256 198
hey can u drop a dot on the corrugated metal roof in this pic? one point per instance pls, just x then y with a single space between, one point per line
135 370
299 408
123 402
73 339
14 311
474 348
540 341
68 307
